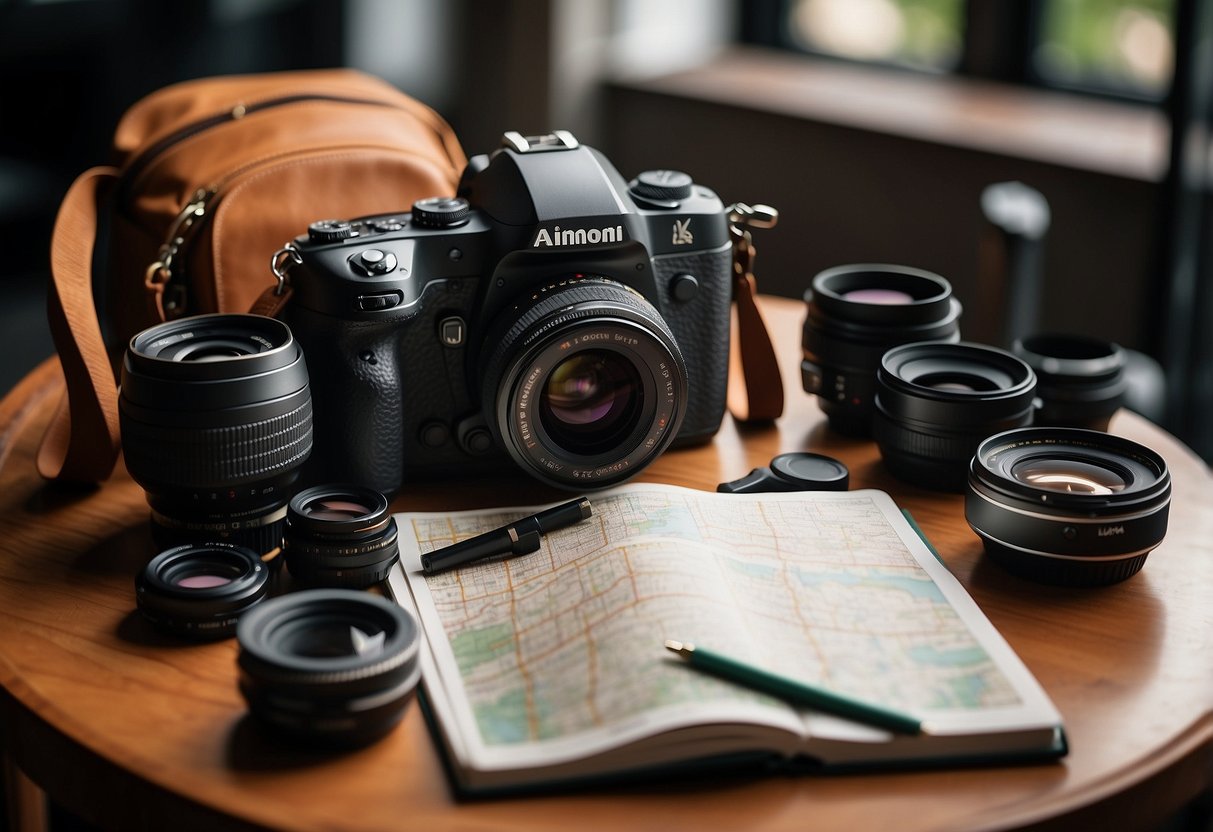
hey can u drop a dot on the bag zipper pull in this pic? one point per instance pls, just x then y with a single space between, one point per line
167 289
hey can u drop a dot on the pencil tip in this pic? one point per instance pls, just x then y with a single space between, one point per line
679 648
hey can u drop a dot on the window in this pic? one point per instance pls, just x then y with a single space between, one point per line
1114 45
1122 48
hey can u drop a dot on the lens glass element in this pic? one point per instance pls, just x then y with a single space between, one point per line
591 401
883 297
326 508
1069 475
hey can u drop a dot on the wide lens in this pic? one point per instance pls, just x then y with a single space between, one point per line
216 420
856 314
1068 506
587 385
201 591
1080 381
332 666
935 402
340 536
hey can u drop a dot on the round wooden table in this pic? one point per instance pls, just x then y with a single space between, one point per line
132 729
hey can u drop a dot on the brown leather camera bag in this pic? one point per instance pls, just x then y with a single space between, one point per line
209 178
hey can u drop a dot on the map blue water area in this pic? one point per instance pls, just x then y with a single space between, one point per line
917 586
960 657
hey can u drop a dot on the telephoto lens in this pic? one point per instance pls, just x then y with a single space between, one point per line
216 419
1080 381
201 591
340 536
334 667
1068 506
936 402
855 315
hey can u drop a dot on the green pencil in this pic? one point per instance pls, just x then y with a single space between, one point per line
793 691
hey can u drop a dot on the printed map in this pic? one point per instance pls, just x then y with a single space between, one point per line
569 639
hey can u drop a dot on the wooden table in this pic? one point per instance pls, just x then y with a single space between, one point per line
131 729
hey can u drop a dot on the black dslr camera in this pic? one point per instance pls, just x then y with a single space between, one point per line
551 310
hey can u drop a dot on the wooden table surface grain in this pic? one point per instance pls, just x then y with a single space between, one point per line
132 729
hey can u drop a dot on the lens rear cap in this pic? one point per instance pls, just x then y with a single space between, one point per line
800 471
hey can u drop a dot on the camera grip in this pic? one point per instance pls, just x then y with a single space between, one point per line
700 325
357 399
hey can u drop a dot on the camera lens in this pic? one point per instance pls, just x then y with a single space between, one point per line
335 666
340 536
587 385
935 403
200 591
216 419
1080 381
856 314
1068 506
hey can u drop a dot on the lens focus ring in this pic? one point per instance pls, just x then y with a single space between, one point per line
214 457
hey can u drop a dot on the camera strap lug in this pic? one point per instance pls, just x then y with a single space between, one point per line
756 386
273 300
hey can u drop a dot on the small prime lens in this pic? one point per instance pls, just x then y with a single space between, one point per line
1068 506
340 536
200 591
216 418
856 314
587 385
1080 381
936 402
332 666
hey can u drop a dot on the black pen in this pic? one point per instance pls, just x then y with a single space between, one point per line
518 538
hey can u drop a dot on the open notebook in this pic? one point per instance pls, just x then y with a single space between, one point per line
550 667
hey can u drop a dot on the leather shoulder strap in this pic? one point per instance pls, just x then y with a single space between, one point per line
755 384
82 443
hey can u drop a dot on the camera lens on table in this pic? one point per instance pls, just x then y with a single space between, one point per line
216 419
1080 381
936 402
587 385
200 591
332 666
1068 506
857 313
340 536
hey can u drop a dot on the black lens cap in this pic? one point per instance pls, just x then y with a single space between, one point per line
800 471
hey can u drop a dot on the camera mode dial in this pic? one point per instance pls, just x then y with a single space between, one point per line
663 185
330 231
440 212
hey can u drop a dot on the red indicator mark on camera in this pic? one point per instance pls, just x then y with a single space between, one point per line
565 345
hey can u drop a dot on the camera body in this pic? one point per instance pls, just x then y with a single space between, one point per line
551 312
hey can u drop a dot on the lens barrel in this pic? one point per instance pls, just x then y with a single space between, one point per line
330 666
1080 381
935 402
201 591
587 385
1068 506
340 536
857 313
216 419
